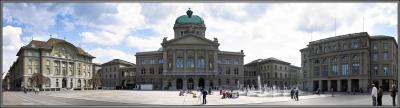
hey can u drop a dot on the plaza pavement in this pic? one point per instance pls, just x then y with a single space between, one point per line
128 97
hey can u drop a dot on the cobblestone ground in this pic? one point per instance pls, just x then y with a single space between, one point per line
125 97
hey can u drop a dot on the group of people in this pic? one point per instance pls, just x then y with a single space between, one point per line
377 95
36 90
227 94
203 94
294 94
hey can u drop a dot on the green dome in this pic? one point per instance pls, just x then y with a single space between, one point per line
184 19
189 19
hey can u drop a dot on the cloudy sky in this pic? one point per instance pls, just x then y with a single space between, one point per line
262 30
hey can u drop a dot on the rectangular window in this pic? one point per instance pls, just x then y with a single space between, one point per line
334 70
386 70
190 63
375 57
228 71
30 71
375 70
345 69
325 70
48 71
385 46
385 56
316 71
179 62
356 69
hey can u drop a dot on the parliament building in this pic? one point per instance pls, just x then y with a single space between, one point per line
189 60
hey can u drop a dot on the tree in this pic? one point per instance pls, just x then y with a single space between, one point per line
96 80
38 79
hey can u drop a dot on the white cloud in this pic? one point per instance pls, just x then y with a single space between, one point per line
11 44
101 37
112 27
107 54
144 44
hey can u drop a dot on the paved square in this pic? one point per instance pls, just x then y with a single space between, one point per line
126 97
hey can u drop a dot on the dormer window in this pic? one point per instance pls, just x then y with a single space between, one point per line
182 33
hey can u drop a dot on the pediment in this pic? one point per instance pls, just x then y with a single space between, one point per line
191 40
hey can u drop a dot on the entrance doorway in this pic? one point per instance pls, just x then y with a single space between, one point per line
64 83
179 83
324 85
343 84
385 85
333 85
355 85
316 85
201 83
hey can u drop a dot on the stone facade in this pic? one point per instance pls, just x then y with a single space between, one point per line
272 71
62 64
350 62
189 61
113 73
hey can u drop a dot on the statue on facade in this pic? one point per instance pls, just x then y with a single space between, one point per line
165 39
215 40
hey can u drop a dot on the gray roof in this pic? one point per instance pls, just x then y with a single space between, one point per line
267 60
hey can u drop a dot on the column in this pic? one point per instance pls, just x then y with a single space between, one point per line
173 83
165 84
195 61
349 86
362 84
173 60
320 85
185 60
329 85
195 83
165 61
206 61
215 61
184 84
339 84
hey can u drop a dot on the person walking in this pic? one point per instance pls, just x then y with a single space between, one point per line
393 94
24 90
292 93
380 94
296 94
332 91
204 92
374 94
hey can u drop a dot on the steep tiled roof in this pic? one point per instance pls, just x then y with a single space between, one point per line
50 43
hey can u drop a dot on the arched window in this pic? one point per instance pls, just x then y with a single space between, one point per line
356 58
79 83
48 82
344 59
334 59
325 61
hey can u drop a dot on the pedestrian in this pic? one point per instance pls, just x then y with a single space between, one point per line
296 94
380 94
204 92
393 94
292 93
332 91
374 94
